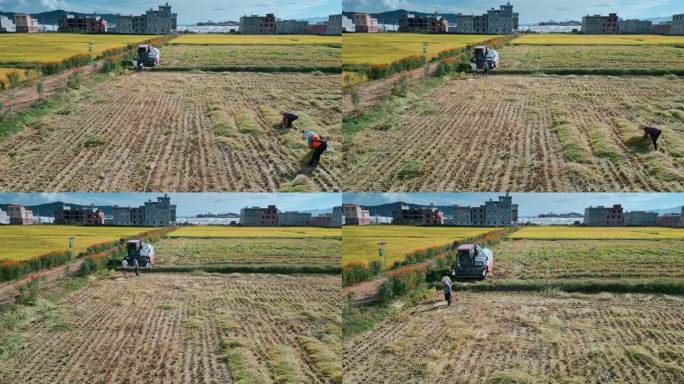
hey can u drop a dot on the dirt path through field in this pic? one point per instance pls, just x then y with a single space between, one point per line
372 92
19 98
553 337
9 289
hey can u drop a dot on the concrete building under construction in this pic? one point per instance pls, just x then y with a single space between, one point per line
258 25
495 21
417 216
604 216
79 216
423 24
601 25
82 24
259 217
153 22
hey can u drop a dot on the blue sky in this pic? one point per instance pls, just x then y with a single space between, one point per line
531 204
531 11
189 11
189 204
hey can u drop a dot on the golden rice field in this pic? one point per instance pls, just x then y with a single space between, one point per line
24 242
561 39
23 73
265 232
222 39
384 48
42 47
360 243
590 233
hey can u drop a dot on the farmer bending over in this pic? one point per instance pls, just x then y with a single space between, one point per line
288 119
653 132
318 144
446 285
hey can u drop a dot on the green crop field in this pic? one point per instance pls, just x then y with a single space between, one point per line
384 48
222 39
559 39
589 233
261 232
360 243
43 47
191 55
554 259
591 57
241 251
25 242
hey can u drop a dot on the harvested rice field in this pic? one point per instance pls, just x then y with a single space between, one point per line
522 133
179 132
169 328
524 338
241 251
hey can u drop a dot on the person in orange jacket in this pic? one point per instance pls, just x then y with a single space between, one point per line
318 144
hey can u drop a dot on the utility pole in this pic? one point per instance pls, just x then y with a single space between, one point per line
70 246
427 60
90 53
381 253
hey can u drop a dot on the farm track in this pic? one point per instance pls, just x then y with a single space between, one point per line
167 328
592 339
157 135
498 134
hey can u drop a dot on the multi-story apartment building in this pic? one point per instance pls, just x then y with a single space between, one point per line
335 25
677 24
601 25
25 23
160 213
293 219
495 21
604 216
661 29
83 24
355 215
291 27
259 217
159 22
19 215
635 26
337 217
364 23
640 219
322 220
417 216
258 25
430 24
501 212
7 25
79 216
671 220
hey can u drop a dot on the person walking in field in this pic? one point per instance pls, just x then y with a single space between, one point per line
485 69
653 133
317 144
288 119
446 286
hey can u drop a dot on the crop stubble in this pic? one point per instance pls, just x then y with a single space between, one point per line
500 134
551 338
156 131
167 328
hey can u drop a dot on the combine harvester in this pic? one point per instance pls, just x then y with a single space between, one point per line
483 55
138 252
474 262
148 57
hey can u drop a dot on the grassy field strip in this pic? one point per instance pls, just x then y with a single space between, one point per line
563 39
585 233
44 47
24 242
360 243
622 285
384 48
221 39
255 232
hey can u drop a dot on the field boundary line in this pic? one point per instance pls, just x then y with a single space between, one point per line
591 71
255 237
283 269
673 286
326 69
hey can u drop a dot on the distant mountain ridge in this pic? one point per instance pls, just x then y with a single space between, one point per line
53 17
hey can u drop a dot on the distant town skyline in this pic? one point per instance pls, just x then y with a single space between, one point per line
531 11
189 12
189 204
531 204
